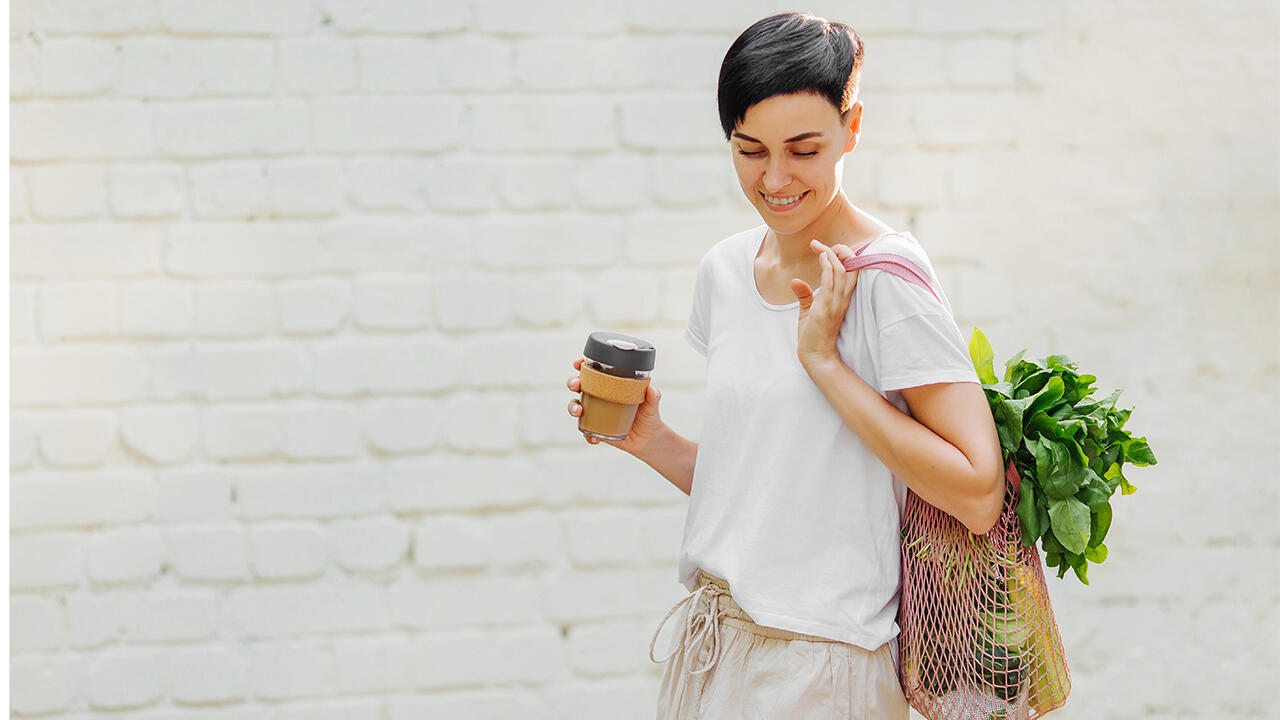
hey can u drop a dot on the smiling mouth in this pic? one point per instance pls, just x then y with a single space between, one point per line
783 201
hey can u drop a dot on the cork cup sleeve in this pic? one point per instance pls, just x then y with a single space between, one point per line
624 391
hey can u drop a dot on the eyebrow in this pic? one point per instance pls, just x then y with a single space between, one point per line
797 138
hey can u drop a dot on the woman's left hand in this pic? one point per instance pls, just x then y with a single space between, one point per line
822 316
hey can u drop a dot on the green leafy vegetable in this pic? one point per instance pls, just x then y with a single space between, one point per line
1069 448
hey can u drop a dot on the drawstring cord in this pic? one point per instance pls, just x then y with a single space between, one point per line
698 627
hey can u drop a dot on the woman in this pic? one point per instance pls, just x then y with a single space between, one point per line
827 396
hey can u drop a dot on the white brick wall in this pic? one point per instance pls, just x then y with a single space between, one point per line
295 286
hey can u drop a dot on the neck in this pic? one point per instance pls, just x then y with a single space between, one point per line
833 225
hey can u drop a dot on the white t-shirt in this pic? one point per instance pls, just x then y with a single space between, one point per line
788 504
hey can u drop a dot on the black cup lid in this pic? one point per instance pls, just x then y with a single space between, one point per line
618 350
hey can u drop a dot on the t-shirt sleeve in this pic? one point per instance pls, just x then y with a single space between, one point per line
696 330
917 341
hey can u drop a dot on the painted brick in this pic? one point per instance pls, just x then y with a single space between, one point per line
209 552
125 555
236 17
36 623
288 551
304 188
247 371
78 311
458 482
145 190
22 441
392 301
192 495
321 432
68 191
79 440
153 309
75 499
162 68
290 671
286 610
537 184
90 17
374 665
210 128
327 490
554 123
232 433
244 249
453 602
42 685
387 183
573 17
612 182
206 675
88 250
227 191
46 560
236 309
391 18
71 67
312 306
386 367
369 544
403 426
455 301
385 124
85 130
317 65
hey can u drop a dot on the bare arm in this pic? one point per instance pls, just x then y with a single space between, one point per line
948 454
673 456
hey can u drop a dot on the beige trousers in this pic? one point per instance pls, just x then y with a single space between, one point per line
723 666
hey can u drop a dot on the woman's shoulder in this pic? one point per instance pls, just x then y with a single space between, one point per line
898 243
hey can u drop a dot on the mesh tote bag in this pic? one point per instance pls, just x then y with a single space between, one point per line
978 636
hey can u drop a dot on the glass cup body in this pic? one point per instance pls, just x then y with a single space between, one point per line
605 419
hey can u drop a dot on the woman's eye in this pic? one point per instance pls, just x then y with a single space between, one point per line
807 154
750 154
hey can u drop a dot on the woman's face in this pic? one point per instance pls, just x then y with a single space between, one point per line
787 153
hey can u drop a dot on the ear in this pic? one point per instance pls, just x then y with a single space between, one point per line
855 125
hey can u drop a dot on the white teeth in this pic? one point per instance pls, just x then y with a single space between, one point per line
783 201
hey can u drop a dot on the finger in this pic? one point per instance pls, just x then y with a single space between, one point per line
803 293
842 251
573 380
577 364
575 405
828 274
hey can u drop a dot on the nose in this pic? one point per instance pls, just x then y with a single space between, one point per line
776 175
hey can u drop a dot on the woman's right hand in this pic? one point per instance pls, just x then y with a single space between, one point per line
647 425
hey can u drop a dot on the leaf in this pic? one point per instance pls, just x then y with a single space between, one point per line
1008 416
1047 396
1138 452
1081 565
1126 487
1027 515
1096 554
1060 471
1094 493
1070 519
983 357
1013 363
1099 524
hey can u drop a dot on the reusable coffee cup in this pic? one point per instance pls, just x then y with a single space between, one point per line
614 377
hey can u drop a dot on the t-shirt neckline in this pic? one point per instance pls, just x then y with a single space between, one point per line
753 249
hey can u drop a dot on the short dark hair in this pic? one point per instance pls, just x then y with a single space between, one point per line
789 53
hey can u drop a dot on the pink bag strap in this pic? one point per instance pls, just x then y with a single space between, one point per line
893 264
